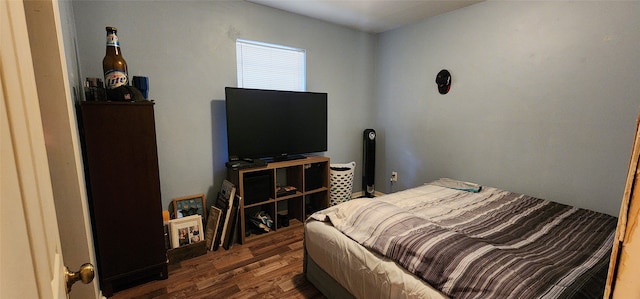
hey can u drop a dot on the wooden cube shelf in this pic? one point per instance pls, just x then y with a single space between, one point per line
258 189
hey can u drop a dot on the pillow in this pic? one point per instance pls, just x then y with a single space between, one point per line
457 185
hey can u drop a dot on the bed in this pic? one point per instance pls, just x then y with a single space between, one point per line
452 239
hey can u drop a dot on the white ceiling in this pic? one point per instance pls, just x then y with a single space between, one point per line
373 16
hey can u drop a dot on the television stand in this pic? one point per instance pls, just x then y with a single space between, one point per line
306 185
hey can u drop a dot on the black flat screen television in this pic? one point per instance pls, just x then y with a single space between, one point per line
274 124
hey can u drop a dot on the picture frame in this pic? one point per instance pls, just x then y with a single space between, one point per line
212 226
186 230
190 205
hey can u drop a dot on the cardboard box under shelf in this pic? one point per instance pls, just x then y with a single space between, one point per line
182 253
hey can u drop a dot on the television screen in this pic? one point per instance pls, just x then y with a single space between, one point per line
275 124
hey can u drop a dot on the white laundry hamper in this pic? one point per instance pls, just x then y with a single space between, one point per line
341 182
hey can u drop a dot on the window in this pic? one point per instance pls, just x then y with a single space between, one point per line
269 66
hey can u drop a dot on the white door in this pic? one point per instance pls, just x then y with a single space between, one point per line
52 39
31 262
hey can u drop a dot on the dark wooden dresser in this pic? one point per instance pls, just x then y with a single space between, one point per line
121 169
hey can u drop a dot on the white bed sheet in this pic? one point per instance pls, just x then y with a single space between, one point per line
363 273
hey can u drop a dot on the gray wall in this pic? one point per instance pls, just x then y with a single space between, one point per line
544 96
187 49
544 99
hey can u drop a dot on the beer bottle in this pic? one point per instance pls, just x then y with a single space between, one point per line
113 65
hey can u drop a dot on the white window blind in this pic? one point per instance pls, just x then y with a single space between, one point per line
269 66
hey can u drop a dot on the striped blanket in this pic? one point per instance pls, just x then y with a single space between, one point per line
490 244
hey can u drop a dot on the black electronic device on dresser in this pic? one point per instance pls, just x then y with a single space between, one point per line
121 170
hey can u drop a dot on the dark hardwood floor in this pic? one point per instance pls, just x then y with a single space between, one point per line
270 267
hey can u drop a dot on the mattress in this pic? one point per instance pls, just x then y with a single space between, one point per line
363 273
450 240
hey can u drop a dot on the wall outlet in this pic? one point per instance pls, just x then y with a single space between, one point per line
394 176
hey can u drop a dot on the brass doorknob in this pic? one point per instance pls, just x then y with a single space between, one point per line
85 274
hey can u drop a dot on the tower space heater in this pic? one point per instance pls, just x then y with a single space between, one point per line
369 162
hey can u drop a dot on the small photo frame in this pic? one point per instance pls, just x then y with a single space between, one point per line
189 206
186 230
212 226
